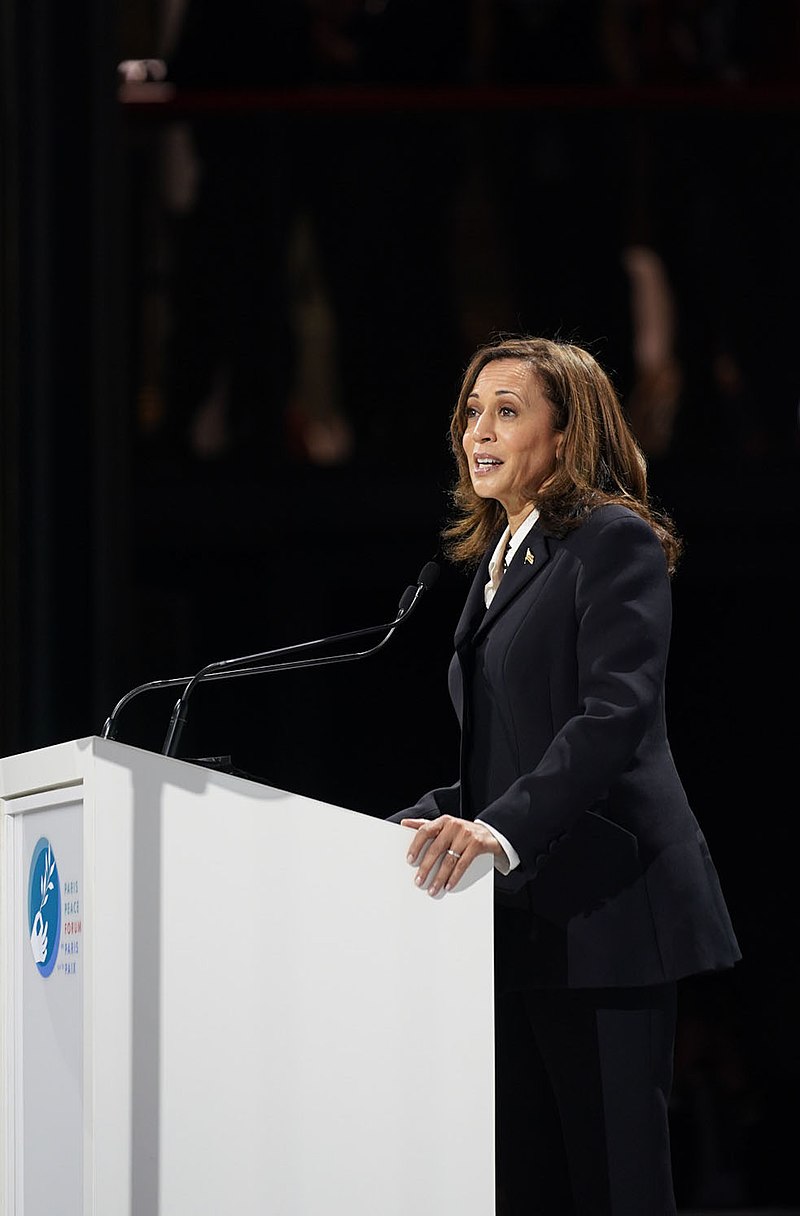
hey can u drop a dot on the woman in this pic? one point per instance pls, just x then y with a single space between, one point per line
605 891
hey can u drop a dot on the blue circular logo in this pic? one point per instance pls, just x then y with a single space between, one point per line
44 907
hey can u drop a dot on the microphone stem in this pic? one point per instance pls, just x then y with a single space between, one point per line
254 664
228 667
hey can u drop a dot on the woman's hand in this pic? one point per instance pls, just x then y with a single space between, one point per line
445 847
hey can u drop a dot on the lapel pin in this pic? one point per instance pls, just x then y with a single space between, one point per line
529 558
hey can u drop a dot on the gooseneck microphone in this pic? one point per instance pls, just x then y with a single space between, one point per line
255 662
259 663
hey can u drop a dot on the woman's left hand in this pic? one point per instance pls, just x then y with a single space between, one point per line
445 847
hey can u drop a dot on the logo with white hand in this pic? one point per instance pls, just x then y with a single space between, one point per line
44 907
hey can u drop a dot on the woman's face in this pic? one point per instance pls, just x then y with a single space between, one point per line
510 441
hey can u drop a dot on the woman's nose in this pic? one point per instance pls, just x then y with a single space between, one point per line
483 428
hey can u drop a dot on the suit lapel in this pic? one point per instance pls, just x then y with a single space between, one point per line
475 606
529 561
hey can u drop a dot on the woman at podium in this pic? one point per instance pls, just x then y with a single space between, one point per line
606 894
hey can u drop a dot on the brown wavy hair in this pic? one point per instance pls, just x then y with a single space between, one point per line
599 462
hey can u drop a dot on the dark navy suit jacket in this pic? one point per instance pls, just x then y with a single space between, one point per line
559 689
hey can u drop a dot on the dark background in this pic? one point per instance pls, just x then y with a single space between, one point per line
236 304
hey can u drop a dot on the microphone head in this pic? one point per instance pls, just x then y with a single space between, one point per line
428 575
406 600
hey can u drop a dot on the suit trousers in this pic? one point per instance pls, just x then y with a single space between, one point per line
583 1079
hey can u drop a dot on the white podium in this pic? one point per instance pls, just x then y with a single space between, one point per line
219 997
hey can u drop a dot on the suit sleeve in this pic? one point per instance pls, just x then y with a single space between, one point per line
444 801
622 604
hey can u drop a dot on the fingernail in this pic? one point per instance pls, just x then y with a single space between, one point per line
418 881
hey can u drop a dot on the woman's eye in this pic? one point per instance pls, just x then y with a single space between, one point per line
507 412
472 413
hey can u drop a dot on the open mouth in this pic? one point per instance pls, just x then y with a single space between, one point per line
485 464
